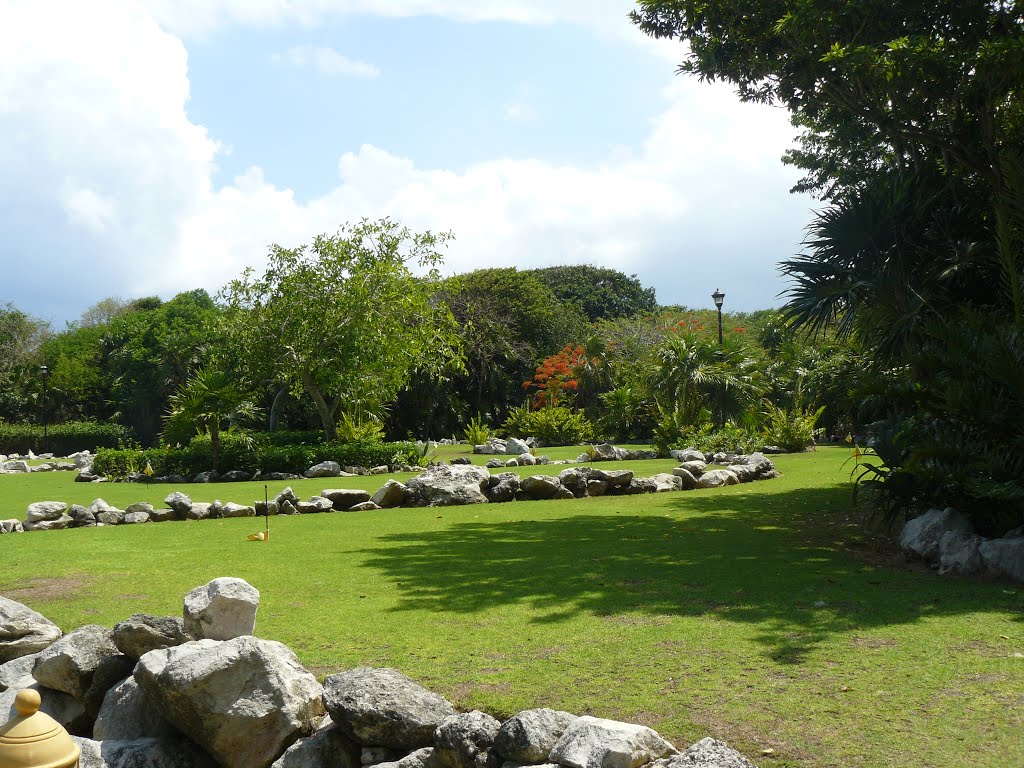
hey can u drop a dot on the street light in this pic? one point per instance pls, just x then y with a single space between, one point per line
46 416
719 298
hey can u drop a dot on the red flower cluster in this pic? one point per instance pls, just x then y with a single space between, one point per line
557 377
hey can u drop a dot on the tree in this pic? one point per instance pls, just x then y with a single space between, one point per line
21 336
344 320
600 293
208 400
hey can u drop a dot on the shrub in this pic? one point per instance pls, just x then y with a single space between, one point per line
353 429
792 429
709 438
62 439
477 432
551 425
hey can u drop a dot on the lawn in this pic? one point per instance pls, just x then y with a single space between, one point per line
757 613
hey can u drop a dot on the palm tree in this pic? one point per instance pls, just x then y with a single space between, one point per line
205 402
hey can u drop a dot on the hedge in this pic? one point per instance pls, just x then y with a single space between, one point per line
62 439
251 455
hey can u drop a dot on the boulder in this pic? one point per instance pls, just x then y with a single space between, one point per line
597 487
329 747
530 736
591 742
538 487
209 476
687 482
287 508
516 447
391 494
200 510
376 755
223 609
11 526
85 476
443 486
81 517
695 468
745 472
111 671
345 498
316 504
179 502
717 478
502 487
383 707
266 508
142 753
640 485
526 460
461 460
231 509
110 516
162 515
324 469
142 633
71 662
923 534
64 521
421 758
574 480
706 753
687 454
134 518
139 506
287 495
602 452
366 506
126 714
616 478
1004 557
245 701
664 482
17 673
960 552
23 631
379 470
43 511
235 476
66 710
15 467
494 463
464 740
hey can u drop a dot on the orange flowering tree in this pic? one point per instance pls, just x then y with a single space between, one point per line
556 379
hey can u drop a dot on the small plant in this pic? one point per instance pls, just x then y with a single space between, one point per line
353 429
552 425
792 429
477 431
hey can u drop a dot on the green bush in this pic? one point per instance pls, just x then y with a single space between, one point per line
477 432
551 425
792 429
709 438
251 454
62 439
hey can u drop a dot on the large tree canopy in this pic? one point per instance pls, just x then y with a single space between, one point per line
601 293
344 319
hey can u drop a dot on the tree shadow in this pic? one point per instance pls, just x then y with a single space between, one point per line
754 559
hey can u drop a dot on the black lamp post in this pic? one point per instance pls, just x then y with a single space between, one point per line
46 416
719 299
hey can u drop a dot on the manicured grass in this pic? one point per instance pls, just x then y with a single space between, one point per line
745 613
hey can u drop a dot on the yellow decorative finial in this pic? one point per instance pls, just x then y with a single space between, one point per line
27 702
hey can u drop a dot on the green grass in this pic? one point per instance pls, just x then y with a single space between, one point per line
751 613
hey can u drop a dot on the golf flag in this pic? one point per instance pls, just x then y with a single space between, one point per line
857 454
849 438
148 471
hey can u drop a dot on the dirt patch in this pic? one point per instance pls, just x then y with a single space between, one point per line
547 653
44 589
463 691
873 643
979 648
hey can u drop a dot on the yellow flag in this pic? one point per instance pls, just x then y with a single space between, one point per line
849 438
857 454
148 471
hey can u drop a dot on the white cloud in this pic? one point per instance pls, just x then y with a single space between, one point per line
328 61
519 112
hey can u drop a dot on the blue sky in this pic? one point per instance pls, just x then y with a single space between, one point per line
154 147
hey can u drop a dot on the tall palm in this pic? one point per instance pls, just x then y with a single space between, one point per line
204 403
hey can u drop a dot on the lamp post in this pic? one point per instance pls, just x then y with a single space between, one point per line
46 416
719 298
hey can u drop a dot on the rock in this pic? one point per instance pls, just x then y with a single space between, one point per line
960 552
717 478
266 508
512 462
71 662
602 452
85 476
235 476
464 740
664 482
516 447
502 487
287 495
687 454
687 482
142 753
209 476
494 464
277 476
923 534
231 509
200 510
223 609
391 494
563 493
1004 557
530 736
695 468
375 755
134 518
574 480
64 521
539 487
324 469
23 631
379 470
162 515
15 467
139 506
245 701
11 526
382 707
526 460
616 478
706 753
315 504
345 498
745 472
720 458
111 671
17 673
591 742
44 511
597 487
366 506
66 710
1016 533
287 508
110 516
142 633
443 486
461 460
421 758
179 502
126 714
327 748
640 485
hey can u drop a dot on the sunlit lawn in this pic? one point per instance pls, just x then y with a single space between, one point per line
746 613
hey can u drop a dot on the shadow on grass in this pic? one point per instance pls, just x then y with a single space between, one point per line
755 559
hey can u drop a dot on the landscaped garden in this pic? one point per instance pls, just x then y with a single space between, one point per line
760 613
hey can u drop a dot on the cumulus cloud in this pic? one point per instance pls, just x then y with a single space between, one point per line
327 61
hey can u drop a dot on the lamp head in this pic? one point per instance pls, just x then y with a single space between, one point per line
718 297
